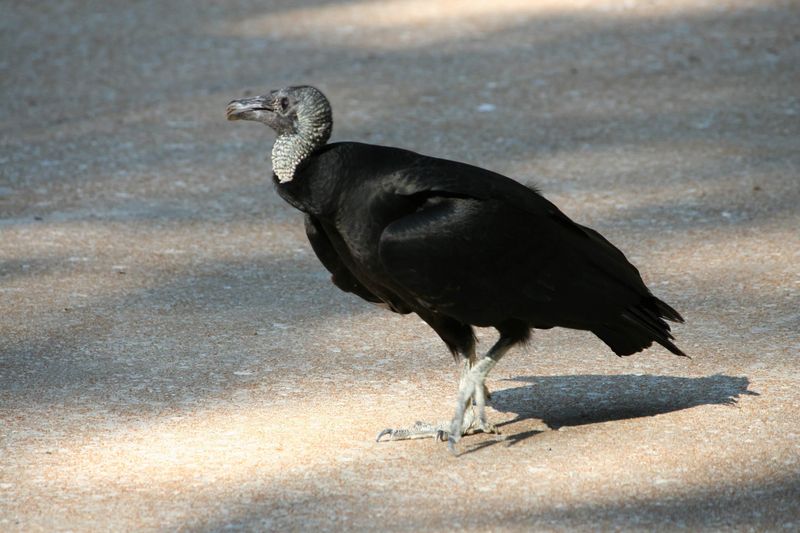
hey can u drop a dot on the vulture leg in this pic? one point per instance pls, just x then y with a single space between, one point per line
460 339
473 385
441 430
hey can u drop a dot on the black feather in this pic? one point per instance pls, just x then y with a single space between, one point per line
458 245
463 246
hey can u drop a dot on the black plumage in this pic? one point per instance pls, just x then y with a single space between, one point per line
458 245
438 237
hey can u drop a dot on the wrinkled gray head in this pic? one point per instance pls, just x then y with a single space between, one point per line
300 115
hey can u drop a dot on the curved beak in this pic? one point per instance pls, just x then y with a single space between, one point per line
248 108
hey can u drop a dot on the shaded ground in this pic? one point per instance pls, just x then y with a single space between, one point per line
173 356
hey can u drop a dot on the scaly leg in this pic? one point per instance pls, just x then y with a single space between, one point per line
473 386
441 431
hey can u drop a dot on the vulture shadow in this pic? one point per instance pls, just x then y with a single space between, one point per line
587 399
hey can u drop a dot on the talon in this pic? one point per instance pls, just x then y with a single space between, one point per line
442 435
387 431
487 427
451 446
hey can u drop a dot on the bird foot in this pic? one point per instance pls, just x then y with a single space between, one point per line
482 427
471 398
420 430
440 432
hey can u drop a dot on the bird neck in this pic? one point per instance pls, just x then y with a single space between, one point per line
288 152
315 186
291 149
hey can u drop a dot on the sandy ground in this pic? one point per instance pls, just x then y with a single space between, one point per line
172 355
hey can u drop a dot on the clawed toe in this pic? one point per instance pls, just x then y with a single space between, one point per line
482 428
420 430
442 432
387 431
451 445
470 415
487 427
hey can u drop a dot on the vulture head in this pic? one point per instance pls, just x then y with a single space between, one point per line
300 115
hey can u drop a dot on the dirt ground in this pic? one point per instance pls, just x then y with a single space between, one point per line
173 356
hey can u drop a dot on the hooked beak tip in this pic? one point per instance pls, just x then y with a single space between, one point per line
234 110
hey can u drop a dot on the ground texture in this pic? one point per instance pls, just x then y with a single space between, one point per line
172 355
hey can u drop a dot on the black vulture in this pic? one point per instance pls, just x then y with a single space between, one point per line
458 245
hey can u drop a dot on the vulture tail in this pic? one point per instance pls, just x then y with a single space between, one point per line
638 326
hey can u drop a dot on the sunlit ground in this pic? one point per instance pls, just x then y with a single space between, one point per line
173 356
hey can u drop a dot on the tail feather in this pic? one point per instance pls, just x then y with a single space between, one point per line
623 341
665 310
640 326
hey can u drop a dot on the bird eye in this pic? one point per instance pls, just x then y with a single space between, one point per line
284 103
